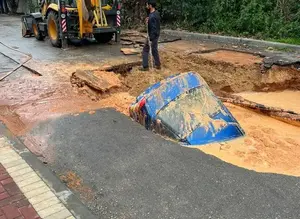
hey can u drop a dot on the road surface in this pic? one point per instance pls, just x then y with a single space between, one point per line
133 173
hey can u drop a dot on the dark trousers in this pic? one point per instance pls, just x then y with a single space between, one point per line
146 49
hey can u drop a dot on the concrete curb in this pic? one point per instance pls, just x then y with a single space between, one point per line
229 39
72 203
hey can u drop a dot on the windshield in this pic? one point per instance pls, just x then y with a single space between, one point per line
190 110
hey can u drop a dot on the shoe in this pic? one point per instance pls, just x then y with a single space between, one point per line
143 69
158 67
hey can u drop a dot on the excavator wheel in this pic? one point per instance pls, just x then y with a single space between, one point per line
53 29
37 33
24 30
103 37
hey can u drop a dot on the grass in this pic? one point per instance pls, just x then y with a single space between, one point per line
294 41
284 49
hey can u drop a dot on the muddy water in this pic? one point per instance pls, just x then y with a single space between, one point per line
26 99
269 146
288 99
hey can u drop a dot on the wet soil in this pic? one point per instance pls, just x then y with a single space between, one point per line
287 99
235 58
74 182
27 99
269 146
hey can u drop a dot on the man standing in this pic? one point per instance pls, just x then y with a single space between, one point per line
153 21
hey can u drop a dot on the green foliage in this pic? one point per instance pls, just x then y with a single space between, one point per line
275 19
295 41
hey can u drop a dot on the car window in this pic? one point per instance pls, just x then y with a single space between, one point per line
190 110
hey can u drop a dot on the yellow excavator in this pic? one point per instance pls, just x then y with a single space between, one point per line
64 20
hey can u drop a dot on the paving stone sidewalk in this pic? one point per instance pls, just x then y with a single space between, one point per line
23 194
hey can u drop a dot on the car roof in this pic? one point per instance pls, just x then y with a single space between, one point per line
161 94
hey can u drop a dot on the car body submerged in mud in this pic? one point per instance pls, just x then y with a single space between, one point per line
184 108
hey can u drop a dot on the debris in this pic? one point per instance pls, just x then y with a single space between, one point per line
135 37
29 57
134 40
126 43
19 66
124 68
283 115
101 80
131 33
169 40
130 51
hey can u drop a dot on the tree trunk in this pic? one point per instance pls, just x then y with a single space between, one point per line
22 7
9 5
4 6
1 7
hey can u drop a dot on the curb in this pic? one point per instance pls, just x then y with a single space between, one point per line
229 39
73 204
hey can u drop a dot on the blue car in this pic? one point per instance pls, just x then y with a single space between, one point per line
184 108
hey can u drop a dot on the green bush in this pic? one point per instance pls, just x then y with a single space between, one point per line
258 18
252 18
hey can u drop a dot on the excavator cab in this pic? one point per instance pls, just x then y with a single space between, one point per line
63 20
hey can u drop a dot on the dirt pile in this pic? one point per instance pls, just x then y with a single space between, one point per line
100 80
138 81
96 84
223 75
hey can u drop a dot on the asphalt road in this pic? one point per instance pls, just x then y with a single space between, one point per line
6 64
10 34
137 174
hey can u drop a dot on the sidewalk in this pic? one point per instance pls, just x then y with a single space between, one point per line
23 194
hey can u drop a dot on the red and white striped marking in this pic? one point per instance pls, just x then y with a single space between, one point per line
64 25
118 19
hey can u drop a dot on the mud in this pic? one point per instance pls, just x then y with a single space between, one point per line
226 76
189 110
287 99
74 182
235 58
185 47
26 100
269 146
138 81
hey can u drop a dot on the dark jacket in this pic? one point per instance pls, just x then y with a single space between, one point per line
154 25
